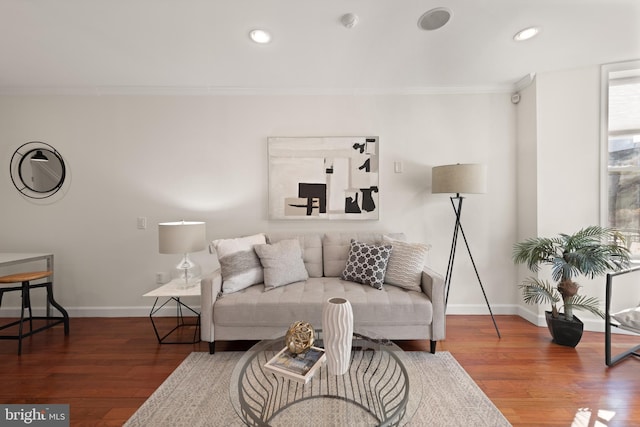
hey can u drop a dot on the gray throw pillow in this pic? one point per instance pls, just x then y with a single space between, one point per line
367 264
239 264
282 263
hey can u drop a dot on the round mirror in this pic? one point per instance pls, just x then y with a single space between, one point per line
37 170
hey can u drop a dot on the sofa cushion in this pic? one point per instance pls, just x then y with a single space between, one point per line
239 264
303 301
282 263
335 248
405 263
367 264
311 245
629 318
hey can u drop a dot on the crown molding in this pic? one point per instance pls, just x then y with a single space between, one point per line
245 91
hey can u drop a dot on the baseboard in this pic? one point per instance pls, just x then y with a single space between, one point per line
471 309
168 311
592 325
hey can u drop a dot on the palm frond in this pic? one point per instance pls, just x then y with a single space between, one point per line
585 303
591 251
536 291
535 251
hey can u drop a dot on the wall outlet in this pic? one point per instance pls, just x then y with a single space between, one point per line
162 278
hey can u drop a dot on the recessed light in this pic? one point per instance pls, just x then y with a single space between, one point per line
434 19
526 34
260 36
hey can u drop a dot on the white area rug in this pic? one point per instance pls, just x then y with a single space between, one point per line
197 394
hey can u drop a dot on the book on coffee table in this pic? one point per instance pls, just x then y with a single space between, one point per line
297 367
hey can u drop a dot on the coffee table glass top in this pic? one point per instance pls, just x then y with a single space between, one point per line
382 387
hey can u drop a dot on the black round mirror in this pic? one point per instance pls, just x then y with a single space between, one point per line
37 170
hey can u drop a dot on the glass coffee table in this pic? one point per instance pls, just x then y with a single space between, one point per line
381 388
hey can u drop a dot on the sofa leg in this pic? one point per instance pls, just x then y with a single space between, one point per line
433 346
212 347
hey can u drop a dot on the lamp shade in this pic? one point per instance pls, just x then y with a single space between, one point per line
181 237
459 178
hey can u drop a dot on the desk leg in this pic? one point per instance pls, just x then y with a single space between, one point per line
50 268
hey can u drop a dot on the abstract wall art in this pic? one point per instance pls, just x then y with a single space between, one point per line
323 178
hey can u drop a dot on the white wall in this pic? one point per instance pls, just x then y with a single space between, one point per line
204 158
567 173
569 160
527 188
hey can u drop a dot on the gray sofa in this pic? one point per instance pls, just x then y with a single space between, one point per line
392 312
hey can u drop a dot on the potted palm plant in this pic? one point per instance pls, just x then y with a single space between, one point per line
592 251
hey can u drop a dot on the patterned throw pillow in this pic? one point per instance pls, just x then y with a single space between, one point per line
366 264
405 264
239 264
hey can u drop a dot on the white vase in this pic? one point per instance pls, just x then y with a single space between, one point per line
337 333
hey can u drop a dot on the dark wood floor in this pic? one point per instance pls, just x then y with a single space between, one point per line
108 367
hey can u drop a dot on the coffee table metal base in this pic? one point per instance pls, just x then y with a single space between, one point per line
376 390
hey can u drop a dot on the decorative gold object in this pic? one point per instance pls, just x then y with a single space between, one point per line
299 337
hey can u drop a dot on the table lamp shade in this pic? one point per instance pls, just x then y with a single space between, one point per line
459 178
181 237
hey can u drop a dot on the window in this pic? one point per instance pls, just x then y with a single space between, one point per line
621 141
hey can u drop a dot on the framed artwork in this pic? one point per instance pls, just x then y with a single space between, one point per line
324 178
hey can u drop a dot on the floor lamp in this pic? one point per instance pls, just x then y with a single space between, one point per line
460 179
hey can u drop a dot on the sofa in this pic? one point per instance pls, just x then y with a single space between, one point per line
265 282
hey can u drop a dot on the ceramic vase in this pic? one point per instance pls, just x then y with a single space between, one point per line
337 333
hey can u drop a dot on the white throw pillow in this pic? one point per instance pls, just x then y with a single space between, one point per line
629 318
405 264
239 263
282 263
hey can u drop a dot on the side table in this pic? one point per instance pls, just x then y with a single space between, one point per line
173 291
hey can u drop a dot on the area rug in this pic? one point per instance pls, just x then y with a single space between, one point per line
197 394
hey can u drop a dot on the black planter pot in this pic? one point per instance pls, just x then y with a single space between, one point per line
564 332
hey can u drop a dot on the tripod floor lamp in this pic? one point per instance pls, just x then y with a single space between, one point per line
460 179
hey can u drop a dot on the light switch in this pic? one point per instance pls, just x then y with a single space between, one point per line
142 223
397 167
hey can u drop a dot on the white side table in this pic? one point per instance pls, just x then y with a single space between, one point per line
173 292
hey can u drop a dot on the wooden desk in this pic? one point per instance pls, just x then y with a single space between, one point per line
13 258
8 259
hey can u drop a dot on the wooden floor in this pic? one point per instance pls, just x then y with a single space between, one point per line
108 367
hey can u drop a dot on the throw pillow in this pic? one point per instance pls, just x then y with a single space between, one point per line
239 264
405 264
366 264
282 263
629 318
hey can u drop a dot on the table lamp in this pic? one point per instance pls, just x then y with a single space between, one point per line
458 179
183 237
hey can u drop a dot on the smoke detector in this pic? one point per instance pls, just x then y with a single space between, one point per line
349 20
